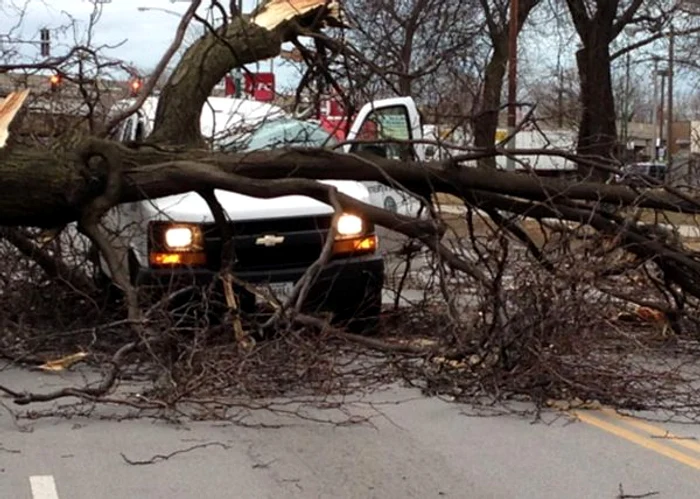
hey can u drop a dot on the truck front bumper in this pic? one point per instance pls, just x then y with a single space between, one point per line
345 287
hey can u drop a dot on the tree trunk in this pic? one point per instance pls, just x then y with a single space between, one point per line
597 134
43 190
486 122
202 66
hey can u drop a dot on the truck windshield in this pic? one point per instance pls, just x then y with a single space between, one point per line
286 132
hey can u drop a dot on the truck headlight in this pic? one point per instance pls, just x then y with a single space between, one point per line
349 225
354 236
180 238
173 244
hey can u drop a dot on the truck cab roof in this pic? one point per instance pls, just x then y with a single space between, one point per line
222 118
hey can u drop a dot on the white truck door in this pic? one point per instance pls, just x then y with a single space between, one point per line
377 124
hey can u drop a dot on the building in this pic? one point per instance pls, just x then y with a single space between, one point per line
59 102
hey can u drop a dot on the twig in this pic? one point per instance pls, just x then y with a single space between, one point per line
263 465
160 67
164 457
669 436
86 393
622 494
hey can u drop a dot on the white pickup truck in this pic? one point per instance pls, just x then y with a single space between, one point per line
174 240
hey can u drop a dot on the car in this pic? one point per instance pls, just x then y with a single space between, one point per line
173 241
634 174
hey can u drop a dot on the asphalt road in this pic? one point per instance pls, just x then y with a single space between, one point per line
412 447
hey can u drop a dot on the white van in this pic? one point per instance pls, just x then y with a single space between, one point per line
174 240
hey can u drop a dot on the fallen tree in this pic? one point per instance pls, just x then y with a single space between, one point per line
82 180
48 189
79 181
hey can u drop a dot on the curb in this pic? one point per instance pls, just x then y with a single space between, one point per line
685 231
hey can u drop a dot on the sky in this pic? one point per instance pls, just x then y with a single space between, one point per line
139 30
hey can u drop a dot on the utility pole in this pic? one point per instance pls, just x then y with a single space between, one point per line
512 78
655 106
238 73
660 124
669 111
626 108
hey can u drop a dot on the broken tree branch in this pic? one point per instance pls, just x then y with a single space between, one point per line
164 457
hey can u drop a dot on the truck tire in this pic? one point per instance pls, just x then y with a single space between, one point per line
365 317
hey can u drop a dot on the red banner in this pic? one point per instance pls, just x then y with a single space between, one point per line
334 117
261 86
229 86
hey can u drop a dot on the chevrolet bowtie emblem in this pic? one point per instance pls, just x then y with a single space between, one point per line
269 240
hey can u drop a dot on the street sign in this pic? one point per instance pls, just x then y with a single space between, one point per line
333 117
229 86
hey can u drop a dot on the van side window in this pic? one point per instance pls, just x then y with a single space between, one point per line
128 126
139 135
384 125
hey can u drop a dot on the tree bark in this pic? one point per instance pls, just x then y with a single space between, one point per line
202 66
486 122
46 191
243 40
597 134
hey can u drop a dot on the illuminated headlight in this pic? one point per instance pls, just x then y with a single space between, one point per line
183 238
349 225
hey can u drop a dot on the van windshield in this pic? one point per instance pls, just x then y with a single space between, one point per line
286 132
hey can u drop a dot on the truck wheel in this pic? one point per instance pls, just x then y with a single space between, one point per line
367 326
366 320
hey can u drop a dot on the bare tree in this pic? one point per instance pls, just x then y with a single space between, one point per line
412 42
496 15
598 25
513 291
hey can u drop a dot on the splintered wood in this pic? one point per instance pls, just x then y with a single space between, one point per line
276 12
8 109
242 338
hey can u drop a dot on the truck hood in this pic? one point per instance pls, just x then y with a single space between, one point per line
190 207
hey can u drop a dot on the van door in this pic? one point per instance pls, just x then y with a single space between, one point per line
376 126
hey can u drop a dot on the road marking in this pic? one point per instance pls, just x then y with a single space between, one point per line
654 431
633 437
43 487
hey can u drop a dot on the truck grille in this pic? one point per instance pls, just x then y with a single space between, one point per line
302 244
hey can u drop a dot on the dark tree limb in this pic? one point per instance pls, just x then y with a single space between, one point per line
87 393
54 267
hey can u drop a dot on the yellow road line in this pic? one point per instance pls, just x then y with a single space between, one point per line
653 430
633 437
